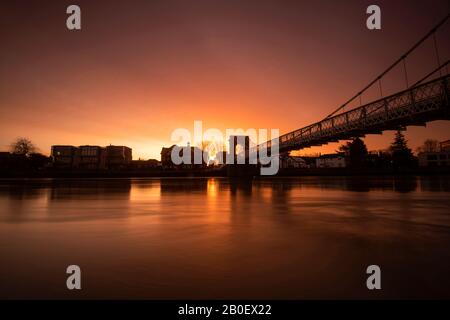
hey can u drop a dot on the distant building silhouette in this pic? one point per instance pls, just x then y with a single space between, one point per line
336 160
445 145
91 157
288 162
38 161
166 157
118 157
145 164
167 163
64 156
12 161
436 159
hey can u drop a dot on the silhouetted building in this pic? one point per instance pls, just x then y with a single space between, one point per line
331 161
118 156
310 160
11 161
438 158
64 156
92 157
434 159
153 163
195 153
145 164
379 159
445 145
166 159
292 162
38 161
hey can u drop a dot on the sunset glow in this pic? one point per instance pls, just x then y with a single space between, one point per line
137 72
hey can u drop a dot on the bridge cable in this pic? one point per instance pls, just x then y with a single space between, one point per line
431 32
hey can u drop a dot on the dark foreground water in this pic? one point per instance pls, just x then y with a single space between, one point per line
309 237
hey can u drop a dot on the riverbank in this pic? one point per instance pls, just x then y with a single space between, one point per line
221 172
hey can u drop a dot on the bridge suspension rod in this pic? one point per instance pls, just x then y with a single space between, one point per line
437 53
406 73
381 88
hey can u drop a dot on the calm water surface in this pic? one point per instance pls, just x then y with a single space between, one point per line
310 237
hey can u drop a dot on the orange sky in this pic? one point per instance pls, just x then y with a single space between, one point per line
140 69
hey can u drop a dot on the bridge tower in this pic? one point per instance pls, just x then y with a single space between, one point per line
238 160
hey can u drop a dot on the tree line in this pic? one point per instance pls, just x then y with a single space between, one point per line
397 156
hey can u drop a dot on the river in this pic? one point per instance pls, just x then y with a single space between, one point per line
212 238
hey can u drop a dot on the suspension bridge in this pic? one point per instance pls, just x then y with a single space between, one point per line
425 100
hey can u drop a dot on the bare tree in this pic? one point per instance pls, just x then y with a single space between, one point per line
23 146
429 145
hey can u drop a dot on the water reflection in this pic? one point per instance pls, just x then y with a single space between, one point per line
89 189
63 188
186 185
308 237
239 186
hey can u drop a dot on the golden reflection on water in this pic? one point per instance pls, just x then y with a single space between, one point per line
212 188
217 238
